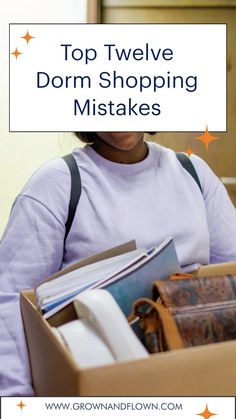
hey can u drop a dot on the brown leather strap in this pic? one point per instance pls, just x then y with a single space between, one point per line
171 332
158 291
180 275
166 321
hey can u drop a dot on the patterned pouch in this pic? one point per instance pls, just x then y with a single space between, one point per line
188 312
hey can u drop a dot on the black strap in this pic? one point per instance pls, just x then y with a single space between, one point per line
75 191
188 165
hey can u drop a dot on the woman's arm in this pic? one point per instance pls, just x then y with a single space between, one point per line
31 249
220 212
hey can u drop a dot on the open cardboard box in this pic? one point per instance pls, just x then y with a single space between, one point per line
208 370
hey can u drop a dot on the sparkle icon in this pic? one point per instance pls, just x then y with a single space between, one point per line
189 151
27 37
206 414
21 405
207 138
16 53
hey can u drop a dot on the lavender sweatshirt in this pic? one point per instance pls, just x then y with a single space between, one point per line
145 201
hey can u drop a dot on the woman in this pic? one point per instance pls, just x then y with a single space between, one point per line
131 189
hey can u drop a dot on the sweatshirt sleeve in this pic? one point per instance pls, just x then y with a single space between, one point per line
220 212
31 249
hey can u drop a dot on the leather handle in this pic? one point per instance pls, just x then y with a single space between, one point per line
166 321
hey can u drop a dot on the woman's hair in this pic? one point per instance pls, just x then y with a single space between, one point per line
91 137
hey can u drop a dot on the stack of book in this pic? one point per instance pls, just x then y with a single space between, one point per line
127 277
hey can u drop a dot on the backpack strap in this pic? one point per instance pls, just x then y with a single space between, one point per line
76 184
75 191
188 165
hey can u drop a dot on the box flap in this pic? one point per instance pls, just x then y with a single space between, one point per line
54 372
227 268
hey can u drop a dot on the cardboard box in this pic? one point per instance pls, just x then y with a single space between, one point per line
208 370
204 370
227 268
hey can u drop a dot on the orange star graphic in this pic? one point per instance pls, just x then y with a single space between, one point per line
206 138
16 53
189 151
27 37
206 414
21 405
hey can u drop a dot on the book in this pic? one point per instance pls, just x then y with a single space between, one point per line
203 308
126 277
85 277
